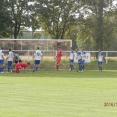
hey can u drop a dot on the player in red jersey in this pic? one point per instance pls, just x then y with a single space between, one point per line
58 58
21 65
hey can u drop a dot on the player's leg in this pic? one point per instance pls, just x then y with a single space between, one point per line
9 66
57 66
71 65
57 63
82 64
100 66
17 68
36 65
80 67
27 69
2 66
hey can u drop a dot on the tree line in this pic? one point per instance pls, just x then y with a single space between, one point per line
91 24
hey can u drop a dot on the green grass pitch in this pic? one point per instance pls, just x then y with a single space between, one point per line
58 94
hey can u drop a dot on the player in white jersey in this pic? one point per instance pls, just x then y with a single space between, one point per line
71 59
10 58
1 61
79 58
100 60
37 58
83 54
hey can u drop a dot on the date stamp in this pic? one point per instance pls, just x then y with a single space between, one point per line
110 104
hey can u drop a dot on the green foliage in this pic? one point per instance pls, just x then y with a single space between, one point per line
90 24
57 17
4 20
20 13
97 31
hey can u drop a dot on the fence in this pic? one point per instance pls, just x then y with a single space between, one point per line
48 61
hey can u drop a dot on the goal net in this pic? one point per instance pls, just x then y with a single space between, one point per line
26 47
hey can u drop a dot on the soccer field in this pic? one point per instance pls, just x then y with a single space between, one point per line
59 94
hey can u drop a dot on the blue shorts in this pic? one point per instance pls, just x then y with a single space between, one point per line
79 60
37 62
83 61
9 63
100 62
1 61
71 60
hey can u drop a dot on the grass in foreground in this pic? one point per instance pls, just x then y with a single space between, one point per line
58 94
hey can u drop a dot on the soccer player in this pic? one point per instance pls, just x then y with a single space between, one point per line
100 59
71 59
16 58
10 57
79 58
1 61
21 65
58 58
83 54
37 58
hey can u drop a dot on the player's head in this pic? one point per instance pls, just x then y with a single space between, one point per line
58 47
77 49
82 49
28 63
1 48
71 48
9 49
99 50
20 61
37 48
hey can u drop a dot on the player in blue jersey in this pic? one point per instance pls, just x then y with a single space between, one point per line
37 58
100 60
83 54
71 59
1 61
79 58
10 58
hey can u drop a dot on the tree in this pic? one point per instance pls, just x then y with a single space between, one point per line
4 20
92 27
20 13
57 16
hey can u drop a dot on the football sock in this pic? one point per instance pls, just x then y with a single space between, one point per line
100 68
80 67
36 68
9 68
57 66
71 67
2 69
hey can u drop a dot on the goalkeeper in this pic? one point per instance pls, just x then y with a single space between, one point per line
58 58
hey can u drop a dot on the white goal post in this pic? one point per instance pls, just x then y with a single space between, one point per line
30 44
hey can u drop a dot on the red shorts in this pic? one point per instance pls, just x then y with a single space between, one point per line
58 60
18 67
